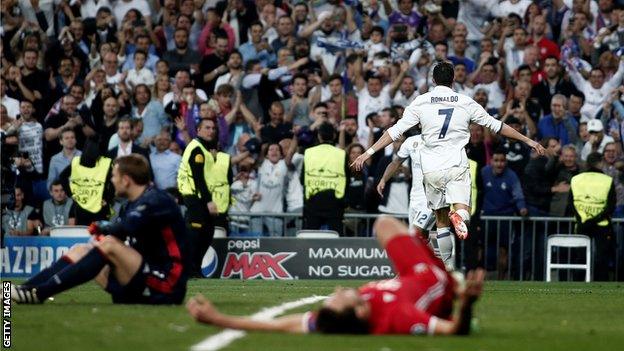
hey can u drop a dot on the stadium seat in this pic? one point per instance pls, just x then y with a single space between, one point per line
219 232
75 231
564 240
318 234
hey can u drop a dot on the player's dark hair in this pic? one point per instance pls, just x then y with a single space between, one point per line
326 132
345 322
443 74
134 166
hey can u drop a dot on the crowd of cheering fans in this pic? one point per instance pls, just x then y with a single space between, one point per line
98 79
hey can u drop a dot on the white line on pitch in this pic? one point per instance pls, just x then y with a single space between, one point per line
227 336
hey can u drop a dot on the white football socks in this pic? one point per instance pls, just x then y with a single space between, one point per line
446 245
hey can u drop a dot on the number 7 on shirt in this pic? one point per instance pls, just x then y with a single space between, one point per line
447 113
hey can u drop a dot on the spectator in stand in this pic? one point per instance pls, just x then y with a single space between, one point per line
21 219
11 104
512 49
566 168
538 37
61 83
139 74
142 42
461 83
518 153
347 132
243 190
503 194
214 65
537 180
492 80
182 57
294 189
558 124
460 45
269 196
575 105
355 195
372 98
57 211
257 48
63 159
597 139
285 27
122 144
277 129
68 117
614 167
552 84
165 163
150 112
298 106
527 110
478 148
596 91
235 71
108 126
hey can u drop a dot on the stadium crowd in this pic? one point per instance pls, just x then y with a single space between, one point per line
138 76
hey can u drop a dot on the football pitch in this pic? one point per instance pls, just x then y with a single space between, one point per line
512 316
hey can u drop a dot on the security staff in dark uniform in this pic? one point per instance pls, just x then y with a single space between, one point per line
88 180
195 179
594 199
324 176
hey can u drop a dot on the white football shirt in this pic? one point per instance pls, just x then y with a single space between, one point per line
411 148
444 116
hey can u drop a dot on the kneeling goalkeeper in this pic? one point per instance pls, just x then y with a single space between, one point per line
138 258
418 301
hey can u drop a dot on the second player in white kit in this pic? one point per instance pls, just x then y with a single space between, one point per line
420 216
444 117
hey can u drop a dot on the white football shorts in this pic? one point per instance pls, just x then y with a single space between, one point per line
448 186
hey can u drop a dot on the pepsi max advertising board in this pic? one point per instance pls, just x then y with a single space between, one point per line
296 258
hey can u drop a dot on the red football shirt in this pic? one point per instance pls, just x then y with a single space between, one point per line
411 303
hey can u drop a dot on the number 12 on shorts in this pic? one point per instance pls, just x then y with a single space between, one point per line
447 113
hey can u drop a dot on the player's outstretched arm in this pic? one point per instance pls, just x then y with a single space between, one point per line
388 173
204 311
460 325
509 132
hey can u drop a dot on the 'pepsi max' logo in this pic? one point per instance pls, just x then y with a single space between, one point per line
209 263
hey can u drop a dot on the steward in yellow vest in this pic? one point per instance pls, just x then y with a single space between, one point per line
87 180
204 179
324 177
593 196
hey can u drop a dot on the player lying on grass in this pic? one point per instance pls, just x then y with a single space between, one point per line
139 258
418 301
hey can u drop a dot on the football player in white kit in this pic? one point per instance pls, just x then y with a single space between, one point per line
444 116
421 218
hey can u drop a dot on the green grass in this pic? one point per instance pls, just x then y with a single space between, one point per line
513 316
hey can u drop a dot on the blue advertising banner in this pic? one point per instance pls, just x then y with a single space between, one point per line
24 256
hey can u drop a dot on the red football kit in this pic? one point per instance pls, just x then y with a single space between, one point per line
412 302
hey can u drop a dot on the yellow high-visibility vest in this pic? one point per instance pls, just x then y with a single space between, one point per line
186 184
217 181
324 170
590 193
474 167
87 184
